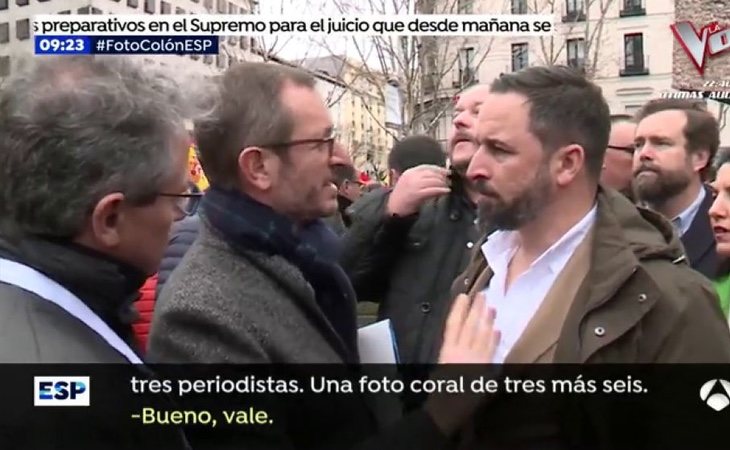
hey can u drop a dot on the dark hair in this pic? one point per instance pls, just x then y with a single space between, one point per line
249 113
701 132
344 173
565 108
414 151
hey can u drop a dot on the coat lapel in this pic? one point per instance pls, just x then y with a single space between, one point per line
539 339
699 240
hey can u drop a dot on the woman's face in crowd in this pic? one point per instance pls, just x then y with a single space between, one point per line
720 210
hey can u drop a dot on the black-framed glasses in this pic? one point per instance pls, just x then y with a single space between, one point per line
328 141
187 203
629 149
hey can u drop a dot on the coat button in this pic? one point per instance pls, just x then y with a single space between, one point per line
466 282
642 298
469 244
425 307
599 331
454 216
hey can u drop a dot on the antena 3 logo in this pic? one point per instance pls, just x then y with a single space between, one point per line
711 40
61 391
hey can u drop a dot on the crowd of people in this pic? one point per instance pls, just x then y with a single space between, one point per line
548 231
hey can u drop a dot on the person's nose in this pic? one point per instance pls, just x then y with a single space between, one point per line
461 120
718 210
340 156
479 165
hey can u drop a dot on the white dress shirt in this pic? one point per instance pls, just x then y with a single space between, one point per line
518 304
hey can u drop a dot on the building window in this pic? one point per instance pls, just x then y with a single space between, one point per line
3 4
65 12
575 11
465 6
179 10
4 32
83 10
232 9
519 56
222 6
632 8
96 11
133 3
519 6
4 66
576 53
195 57
220 61
467 72
634 63
149 6
43 1
22 29
208 4
165 8
242 11
21 2
243 42
195 1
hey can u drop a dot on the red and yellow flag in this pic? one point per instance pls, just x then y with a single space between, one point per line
196 170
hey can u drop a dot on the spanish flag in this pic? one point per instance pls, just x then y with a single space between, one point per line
196 170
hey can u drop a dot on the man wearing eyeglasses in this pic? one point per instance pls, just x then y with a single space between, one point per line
262 283
93 153
617 163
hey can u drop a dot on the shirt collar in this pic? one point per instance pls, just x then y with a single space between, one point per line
501 245
684 220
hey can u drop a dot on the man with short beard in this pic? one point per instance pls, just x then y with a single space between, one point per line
576 273
676 141
406 246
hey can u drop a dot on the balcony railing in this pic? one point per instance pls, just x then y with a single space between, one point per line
631 8
574 15
640 67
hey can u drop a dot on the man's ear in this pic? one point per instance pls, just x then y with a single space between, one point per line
700 160
256 167
107 220
568 162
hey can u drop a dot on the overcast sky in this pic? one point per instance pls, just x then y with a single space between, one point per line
296 48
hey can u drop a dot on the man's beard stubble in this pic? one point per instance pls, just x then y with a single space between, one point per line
497 213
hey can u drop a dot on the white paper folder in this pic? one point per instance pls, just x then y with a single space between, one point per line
377 344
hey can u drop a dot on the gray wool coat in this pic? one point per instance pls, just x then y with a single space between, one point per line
222 306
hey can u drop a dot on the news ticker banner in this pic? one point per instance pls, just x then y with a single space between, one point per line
126 45
311 25
674 406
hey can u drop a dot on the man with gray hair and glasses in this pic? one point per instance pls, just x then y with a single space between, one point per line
93 155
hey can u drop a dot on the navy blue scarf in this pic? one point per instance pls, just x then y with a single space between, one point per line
313 248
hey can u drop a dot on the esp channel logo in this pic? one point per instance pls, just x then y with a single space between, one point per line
61 391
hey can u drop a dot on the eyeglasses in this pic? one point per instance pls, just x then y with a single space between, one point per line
328 141
623 149
187 203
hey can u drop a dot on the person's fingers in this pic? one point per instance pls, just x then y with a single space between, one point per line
496 338
473 321
455 320
431 168
485 328
433 192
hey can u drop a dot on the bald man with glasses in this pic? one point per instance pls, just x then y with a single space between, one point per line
617 163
